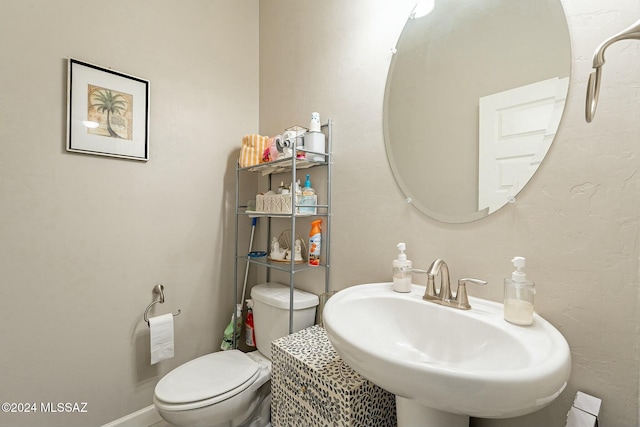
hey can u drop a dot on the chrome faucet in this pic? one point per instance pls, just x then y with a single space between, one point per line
431 294
443 295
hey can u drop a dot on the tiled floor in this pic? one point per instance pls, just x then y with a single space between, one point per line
162 423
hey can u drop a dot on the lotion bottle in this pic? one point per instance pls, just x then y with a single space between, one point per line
518 295
402 271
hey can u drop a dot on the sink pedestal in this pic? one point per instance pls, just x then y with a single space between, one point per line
412 414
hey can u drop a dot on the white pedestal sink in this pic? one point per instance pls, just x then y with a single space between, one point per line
445 364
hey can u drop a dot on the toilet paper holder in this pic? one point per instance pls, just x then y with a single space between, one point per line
157 290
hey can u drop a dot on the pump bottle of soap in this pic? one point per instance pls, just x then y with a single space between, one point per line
402 271
307 190
308 199
518 295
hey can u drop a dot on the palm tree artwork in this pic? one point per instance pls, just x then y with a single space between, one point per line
112 110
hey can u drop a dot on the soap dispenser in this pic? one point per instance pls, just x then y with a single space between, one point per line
402 271
518 295
308 190
308 199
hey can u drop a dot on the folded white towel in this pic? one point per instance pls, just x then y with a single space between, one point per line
161 331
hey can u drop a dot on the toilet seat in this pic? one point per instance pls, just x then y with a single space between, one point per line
206 380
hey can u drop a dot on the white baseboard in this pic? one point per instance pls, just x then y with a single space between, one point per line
142 418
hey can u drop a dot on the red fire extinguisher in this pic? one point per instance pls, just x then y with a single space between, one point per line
250 336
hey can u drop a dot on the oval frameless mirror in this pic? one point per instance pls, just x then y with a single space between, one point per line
473 100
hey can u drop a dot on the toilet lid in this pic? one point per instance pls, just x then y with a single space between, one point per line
206 377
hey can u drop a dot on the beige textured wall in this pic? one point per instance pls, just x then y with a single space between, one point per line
576 222
83 238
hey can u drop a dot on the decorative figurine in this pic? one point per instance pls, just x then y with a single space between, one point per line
298 250
277 254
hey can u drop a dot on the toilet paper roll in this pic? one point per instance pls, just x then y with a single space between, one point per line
281 145
277 141
161 332
288 139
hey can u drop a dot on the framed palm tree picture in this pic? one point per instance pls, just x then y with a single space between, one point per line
107 112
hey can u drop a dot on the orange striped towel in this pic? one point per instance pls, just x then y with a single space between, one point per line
252 149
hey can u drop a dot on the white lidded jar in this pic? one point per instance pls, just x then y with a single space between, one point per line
402 271
518 295
314 140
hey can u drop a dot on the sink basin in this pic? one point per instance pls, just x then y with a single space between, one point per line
471 363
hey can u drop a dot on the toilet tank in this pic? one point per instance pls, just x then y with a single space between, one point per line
271 313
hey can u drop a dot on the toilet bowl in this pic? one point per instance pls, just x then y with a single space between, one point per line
232 388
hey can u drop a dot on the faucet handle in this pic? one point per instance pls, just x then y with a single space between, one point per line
430 292
462 298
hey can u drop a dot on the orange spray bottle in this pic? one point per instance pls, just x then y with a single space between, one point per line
315 238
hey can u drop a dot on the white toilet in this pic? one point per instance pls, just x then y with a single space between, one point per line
232 388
